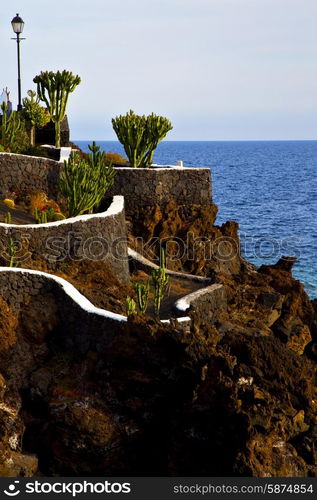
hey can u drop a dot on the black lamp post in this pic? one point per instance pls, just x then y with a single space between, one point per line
17 26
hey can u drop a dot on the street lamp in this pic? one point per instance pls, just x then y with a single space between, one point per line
17 26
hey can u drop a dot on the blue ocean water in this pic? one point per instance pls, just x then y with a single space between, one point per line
269 188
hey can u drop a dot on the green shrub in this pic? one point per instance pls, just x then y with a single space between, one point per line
35 115
140 135
21 140
35 151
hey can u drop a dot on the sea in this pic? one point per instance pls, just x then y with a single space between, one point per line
268 187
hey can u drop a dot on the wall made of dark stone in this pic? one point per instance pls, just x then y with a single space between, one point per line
80 329
98 237
26 174
157 186
139 186
208 303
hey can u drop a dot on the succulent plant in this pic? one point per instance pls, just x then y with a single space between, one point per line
84 183
54 89
160 281
10 126
130 305
140 135
142 292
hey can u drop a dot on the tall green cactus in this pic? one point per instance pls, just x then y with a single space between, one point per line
84 183
160 281
8 218
142 292
54 89
12 251
140 135
11 124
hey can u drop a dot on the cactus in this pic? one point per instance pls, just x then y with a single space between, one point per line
140 135
12 250
10 126
54 89
40 216
160 281
142 295
8 218
96 158
84 183
130 306
34 114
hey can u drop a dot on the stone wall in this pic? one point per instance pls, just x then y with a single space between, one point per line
99 237
84 326
138 261
208 303
149 186
25 174
139 186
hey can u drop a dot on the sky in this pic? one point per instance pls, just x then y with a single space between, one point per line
218 69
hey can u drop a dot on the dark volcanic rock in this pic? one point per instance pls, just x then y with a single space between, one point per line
235 396
193 243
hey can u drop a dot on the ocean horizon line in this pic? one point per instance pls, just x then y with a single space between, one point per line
210 141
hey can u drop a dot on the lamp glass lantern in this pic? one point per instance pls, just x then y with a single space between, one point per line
17 24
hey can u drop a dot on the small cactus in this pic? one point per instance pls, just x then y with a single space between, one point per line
12 250
40 216
142 292
130 306
8 218
11 124
160 281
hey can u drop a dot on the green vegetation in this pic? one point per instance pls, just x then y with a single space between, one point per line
10 126
12 251
84 183
34 114
40 216
140 135
8 218
54 89
142 292
111 158
160 281
130 306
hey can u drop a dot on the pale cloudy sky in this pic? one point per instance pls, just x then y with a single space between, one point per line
219 69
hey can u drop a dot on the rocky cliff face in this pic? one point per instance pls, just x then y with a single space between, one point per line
234 396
